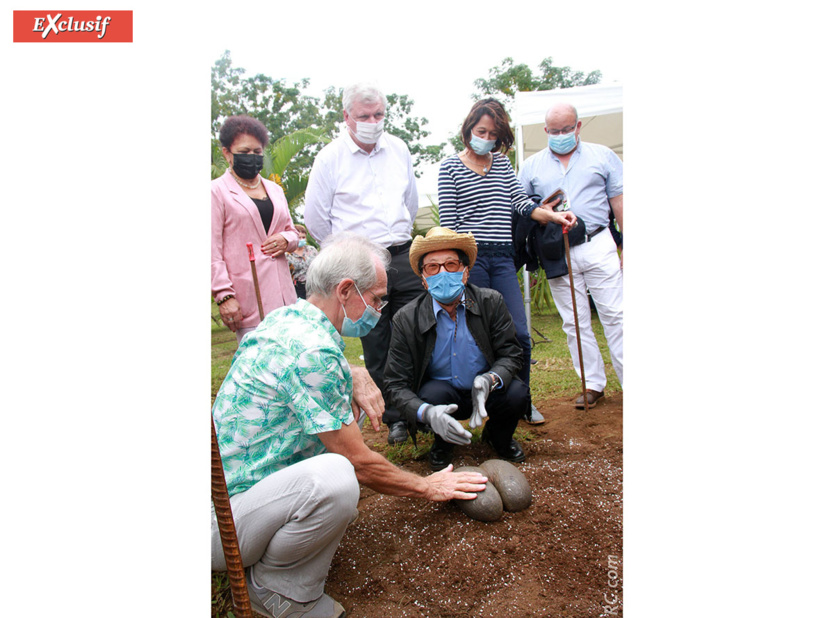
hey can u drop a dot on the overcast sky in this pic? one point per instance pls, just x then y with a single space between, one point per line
433 54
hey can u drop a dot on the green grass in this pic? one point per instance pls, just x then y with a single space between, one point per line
552 376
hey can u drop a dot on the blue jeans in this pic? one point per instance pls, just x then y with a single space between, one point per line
499 273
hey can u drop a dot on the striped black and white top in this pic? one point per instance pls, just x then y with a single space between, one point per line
482 205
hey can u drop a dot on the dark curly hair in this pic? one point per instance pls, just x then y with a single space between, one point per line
242 125
492 108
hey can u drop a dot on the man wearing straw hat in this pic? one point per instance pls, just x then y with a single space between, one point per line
454 354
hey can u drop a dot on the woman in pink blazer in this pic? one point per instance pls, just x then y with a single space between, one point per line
248 208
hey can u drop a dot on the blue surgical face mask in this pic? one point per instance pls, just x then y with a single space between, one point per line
562 144
479 145
364 324
445 287
302 243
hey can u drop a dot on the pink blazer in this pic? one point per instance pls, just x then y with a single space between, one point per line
235 220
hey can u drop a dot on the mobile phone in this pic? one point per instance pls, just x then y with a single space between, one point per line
561 200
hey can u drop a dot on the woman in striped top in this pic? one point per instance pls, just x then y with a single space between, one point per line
478 191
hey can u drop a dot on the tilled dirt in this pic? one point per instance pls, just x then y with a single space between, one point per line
560 557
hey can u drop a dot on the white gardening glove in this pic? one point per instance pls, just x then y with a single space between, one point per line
481 387
438 417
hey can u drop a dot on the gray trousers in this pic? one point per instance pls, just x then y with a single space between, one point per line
289 525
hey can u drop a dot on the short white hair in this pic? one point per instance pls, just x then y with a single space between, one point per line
345 255
362 93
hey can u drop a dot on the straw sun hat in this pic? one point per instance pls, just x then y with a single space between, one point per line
439 239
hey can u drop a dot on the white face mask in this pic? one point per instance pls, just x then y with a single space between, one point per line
369 132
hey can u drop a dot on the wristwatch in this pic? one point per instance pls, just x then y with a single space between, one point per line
495 381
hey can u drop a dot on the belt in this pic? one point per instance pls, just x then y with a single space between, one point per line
397 249
594 233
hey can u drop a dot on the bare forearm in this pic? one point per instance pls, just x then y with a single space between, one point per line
379 474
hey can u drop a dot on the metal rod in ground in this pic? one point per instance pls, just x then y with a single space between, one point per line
575 318
255 279
228 534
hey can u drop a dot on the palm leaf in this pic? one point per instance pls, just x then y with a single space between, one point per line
279 154
218 162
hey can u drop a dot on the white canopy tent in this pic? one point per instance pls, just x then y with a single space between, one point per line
600 108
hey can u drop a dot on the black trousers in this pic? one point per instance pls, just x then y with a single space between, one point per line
505 407
403 287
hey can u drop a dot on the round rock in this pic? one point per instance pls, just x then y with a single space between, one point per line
509 482
488 506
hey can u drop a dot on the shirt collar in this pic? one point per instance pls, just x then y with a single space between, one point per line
313 312
553 154
438 308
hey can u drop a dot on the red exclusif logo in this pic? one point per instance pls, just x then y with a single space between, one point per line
73 26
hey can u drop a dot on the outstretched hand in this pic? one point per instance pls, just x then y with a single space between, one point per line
447 485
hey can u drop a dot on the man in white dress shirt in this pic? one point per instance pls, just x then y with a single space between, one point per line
363 181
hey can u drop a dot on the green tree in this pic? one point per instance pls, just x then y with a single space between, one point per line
285 109
503 82
508 78
399 122
282 108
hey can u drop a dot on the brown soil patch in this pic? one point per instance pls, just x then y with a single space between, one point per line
561 557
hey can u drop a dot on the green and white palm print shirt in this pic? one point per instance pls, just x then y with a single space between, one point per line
289 381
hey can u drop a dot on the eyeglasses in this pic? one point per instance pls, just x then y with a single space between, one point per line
377 302
451 266
561 131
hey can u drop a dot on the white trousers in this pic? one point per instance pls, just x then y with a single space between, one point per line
596 267
289 525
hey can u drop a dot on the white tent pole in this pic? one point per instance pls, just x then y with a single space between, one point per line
519 157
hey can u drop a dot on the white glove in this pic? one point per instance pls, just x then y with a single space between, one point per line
438 417
481 386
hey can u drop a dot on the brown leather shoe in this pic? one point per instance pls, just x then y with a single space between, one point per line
593 397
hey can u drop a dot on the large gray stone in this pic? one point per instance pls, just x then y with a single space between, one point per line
513 488
488 506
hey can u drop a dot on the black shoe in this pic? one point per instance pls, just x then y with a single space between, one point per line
511 452
397 433
440 456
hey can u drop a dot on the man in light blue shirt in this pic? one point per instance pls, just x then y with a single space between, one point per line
591 176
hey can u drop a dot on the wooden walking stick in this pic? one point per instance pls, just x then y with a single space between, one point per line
255 279
228 534
561 199
575 317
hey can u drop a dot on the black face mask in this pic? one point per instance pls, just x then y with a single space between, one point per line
247 166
